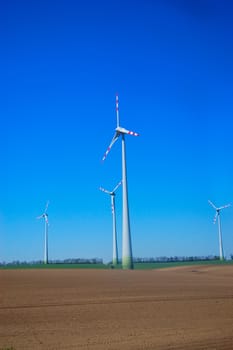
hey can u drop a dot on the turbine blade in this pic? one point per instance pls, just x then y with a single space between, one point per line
46 206
212 204
115 137
103 190
215 217
118 185
117 110
125 131
224 206
40 217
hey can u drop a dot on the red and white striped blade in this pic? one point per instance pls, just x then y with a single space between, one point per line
215 217
125 131
115 137
103 190
117 110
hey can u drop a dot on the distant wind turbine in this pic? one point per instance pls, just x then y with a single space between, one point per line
217 216
127 256
114 233
45 217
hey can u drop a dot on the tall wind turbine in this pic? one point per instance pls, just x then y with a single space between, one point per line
127 256
46 221
114 234
217 216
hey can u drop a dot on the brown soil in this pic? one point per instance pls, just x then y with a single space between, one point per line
181 308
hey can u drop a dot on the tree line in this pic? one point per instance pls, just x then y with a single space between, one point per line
57 261
161 259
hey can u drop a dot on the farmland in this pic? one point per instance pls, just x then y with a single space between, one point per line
184 307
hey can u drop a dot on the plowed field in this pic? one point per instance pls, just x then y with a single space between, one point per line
185 308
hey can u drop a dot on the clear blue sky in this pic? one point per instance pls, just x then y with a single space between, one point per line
171 61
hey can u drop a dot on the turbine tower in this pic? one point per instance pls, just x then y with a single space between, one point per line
114 233
127 256
45 217
217 216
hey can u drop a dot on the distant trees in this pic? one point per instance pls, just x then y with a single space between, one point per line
65 261
79 261
160 259
163 259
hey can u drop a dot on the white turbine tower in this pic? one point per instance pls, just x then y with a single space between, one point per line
114 232
127 256
217 216
45 217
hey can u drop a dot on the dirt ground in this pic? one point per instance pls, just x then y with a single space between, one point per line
184 308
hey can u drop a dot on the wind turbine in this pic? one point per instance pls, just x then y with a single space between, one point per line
45 217
217 216
114 234
127 256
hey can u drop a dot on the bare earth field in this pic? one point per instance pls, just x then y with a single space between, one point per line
185 308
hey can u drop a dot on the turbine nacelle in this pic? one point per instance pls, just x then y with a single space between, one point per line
113 192
121 130
45 214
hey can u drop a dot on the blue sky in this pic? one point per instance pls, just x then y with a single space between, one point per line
61 64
